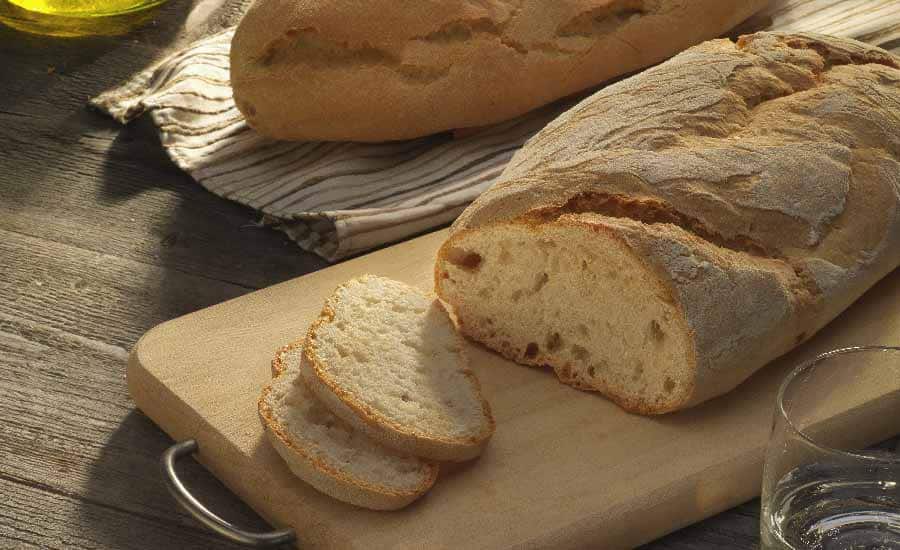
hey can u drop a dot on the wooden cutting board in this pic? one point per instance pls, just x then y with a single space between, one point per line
565 469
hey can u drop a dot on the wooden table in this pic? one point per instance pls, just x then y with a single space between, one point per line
101 238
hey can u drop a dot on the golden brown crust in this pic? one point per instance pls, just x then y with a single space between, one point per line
385 430
758 177
373 495
302 69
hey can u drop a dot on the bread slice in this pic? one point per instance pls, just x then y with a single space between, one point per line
329 454
386 358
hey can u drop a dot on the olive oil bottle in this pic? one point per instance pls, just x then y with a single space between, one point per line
85 8
77 18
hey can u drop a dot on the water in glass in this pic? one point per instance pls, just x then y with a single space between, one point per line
835 507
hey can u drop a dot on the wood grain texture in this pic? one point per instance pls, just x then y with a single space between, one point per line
34 517
83 204
565 468
151 212
69 428
102 238
97 296
72 175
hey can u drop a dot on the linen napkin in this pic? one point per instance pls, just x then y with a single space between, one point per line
339 199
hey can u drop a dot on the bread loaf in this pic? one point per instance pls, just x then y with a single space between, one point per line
674 232
377 70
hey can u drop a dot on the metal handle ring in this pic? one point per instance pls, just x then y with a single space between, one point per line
203 515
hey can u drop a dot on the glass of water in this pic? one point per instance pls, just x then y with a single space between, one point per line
821 488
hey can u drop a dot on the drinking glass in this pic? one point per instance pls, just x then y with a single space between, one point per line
821 489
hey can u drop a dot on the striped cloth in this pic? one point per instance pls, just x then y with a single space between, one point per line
334 198
339 199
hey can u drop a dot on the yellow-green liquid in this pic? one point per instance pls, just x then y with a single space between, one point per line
84 8
76 18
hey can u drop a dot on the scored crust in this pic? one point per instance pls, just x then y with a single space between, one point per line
385 430
309 69
323 476
756 176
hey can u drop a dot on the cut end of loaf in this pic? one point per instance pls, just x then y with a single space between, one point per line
574 297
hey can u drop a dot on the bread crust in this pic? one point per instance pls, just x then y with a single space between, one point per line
383 70
384 430
762 173
324 477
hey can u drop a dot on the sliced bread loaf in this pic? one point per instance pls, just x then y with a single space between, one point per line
386 358
673 233
329 454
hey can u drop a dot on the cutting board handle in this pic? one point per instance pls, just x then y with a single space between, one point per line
203 515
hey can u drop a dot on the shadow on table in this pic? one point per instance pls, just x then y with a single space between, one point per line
127 477
197 238
47 81
197 250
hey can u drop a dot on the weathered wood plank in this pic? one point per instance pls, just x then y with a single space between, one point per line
95 295
78 466
75 176
88 65
33 517
117 193
70 429
736 529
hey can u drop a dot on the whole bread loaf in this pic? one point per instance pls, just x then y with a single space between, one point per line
673 233
377 70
